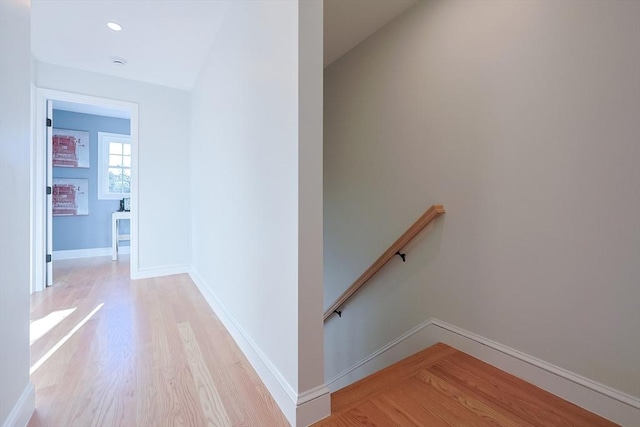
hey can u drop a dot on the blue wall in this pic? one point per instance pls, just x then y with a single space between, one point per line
93 230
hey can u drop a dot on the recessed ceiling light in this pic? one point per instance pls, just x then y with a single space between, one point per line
114 26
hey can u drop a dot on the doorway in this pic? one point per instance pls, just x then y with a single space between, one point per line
86 107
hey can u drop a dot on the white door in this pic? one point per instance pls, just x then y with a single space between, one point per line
49 193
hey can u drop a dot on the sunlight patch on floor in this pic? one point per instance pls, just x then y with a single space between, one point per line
64 339
40 327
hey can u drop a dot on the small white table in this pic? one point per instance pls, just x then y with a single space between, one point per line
116 237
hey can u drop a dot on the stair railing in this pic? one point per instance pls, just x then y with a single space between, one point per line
432 213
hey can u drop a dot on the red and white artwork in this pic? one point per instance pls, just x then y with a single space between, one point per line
70 148
70 197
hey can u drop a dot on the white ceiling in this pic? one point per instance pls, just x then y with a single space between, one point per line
165 42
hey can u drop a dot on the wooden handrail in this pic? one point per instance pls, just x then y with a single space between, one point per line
432 213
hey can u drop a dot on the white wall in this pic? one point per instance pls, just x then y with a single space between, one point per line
255 149
16 392
310 87
163 169
521 118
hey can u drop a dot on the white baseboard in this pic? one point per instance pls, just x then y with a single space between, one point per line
300 409
313 406
23 409
605 401
87 253
122 250
148 273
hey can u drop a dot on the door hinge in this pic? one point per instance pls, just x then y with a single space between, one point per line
48 257
49 122
48 190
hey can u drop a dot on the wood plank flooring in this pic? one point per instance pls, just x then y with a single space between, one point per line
116 352
442 386
108 351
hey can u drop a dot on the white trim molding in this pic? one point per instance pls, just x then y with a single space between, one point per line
309 411
300 409
605 401
170 270
88 253
21 413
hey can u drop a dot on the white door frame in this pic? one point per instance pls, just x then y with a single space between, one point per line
38 174
48 218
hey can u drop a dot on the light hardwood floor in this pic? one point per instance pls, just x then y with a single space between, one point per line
137 353
112 352
442 386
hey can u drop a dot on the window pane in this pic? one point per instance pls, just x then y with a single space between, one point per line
115 160
127 149
115 148
126 180
126 161
115 180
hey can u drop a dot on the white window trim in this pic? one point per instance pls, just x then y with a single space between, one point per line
103 159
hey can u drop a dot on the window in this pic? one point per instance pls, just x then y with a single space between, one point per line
114 166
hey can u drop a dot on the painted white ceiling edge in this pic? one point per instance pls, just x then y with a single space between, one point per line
347 23
91 109
163 42
167 42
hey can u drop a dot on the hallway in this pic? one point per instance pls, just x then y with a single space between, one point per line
116 352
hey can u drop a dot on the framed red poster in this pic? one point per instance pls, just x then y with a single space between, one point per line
70 197
70 148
